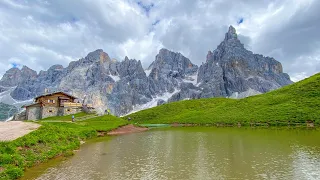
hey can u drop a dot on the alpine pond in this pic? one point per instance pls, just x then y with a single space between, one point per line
194 153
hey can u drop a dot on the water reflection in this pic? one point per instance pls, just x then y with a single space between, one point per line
197 153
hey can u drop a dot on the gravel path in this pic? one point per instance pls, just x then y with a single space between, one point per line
14 129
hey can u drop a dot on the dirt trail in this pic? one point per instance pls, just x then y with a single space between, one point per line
14 129
127 129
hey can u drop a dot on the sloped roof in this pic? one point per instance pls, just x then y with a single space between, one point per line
28 105
50 94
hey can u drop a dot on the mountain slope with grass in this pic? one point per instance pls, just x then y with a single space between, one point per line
296 103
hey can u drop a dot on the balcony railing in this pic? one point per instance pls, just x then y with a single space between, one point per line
70 104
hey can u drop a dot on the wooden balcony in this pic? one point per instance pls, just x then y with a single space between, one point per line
70 104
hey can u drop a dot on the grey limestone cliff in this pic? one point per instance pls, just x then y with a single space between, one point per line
169 70
232 69
124 86
15 76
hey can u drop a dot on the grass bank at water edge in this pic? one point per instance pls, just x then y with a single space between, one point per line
52 139
291 105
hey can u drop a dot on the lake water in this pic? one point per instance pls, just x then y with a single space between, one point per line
194 153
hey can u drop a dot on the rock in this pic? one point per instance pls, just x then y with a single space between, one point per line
132 88
232 69
14 76
124 86
31 87
187 91
160 102
19 116
176 64
168 71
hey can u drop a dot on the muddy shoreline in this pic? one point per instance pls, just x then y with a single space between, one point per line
127 129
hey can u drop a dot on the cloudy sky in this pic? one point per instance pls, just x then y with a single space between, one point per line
40 33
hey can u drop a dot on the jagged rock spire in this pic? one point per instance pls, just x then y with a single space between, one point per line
231 34
14 76
169 61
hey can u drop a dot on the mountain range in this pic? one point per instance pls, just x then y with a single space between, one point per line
125 86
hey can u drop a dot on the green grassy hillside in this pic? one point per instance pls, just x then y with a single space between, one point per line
6 111
296 103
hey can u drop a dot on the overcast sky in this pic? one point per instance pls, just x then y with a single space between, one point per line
40 33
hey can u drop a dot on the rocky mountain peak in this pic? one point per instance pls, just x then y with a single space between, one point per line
229 47
26 72
14 76
13 70
233 69
231 34
11 73
25 68
209 56
55 67
96 52
164 51
167 61
94 56
123 86
231 43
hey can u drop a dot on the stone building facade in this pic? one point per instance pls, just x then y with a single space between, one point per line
54 104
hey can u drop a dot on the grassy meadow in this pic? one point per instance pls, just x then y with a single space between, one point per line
51 140
293 104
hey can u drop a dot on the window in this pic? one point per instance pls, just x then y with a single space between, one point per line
51 101
50 110
68 110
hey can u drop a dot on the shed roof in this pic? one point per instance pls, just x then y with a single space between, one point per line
33 104
50 94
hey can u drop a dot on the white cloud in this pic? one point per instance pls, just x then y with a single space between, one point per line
302 63
142 49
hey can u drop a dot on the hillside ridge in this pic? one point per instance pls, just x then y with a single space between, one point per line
296 103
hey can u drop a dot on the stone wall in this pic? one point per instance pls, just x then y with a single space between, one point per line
33 113
36 112
71 110
49 111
